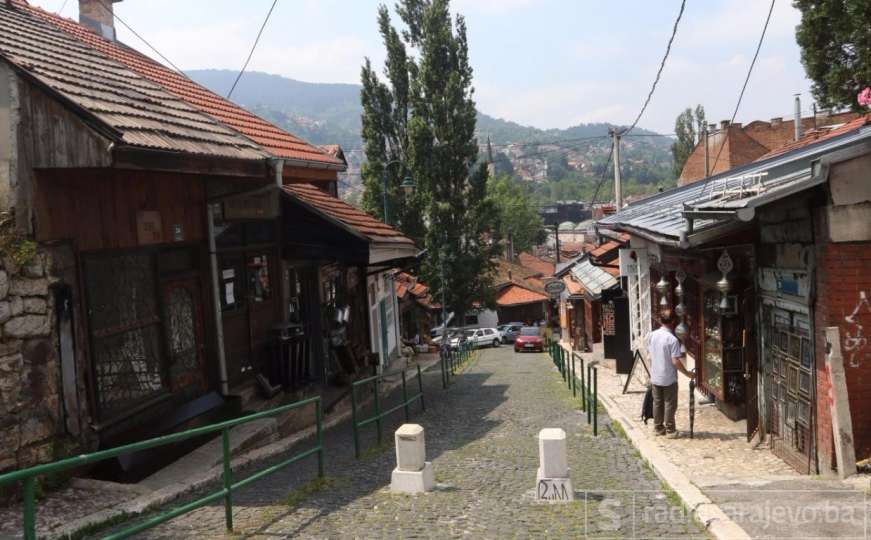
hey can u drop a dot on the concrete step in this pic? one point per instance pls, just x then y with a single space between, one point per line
242 438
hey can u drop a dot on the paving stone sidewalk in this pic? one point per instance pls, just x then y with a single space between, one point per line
758 491
481 438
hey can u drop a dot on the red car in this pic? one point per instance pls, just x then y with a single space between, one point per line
529 339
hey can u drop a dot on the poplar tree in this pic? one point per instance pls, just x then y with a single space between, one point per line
423 115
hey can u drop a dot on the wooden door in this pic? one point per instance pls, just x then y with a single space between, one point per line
183 332
748 310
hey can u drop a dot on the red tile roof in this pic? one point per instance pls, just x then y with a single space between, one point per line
351 217
515 295
821 135
133 110
536 264
574 288
277 141
605 248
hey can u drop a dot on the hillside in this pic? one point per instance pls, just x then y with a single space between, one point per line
562 163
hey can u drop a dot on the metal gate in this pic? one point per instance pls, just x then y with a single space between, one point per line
788 371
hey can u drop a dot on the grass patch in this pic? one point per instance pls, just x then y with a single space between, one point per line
300 494
375 451
618 429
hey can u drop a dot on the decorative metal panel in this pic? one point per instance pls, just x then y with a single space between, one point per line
181 335
124 324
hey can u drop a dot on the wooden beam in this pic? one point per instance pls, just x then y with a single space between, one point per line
155 160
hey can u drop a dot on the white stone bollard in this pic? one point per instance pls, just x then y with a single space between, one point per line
413 474
552 481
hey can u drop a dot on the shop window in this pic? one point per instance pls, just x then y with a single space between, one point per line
259 286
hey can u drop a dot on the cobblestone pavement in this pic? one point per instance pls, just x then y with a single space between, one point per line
480 435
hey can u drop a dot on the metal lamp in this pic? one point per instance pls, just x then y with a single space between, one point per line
408 186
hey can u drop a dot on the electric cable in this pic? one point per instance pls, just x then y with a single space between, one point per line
142 39
659 72
746 80
253 47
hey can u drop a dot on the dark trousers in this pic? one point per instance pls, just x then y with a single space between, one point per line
664 407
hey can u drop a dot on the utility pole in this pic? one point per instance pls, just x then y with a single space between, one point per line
556 241
707 158
618 190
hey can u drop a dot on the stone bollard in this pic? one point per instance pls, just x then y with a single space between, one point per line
552 481
413 474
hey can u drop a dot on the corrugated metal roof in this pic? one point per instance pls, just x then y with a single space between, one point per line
593 278
662 213
140 111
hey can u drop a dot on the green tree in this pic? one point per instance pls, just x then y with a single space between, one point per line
518 218
835 41
424 117
685 130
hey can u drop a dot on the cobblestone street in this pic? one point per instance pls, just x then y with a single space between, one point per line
481 437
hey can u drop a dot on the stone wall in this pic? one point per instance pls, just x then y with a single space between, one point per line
30 416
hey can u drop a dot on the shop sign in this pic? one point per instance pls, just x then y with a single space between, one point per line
609 326
259 206
555 287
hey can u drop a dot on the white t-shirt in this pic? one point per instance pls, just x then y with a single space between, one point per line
663 346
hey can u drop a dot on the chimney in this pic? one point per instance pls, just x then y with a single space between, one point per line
797 120
776 121
724 124
736 124
712 128
98 15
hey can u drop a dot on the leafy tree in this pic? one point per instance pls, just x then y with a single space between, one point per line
685 131
519 218
835 41
424 117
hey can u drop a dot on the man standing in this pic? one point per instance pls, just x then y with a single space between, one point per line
666 359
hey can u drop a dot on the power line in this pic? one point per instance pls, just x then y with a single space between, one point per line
661 67
62 6
746 80
253 47
142 39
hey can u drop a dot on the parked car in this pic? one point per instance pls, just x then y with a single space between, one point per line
529 340
509 332
452 333
480 337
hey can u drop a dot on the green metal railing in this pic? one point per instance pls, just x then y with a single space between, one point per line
588 385
450 361
376 381
29 476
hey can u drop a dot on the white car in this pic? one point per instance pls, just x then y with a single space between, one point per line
483 337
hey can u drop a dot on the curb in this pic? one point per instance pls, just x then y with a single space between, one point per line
153 499
716 522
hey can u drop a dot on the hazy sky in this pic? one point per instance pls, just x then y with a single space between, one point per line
546 63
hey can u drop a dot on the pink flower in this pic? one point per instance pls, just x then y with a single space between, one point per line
865 97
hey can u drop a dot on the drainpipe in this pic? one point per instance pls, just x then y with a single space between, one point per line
278 169
216 301
797 121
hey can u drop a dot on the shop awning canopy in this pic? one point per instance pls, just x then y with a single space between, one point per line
348 232
593 278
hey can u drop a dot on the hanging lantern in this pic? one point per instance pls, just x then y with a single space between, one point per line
663 302
663 286
681 331
724 265
680 310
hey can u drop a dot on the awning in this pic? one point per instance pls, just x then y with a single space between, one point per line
383 243
593 278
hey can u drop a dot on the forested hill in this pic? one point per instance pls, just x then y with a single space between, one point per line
326 113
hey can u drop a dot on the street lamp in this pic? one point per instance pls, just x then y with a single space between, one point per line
407 186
